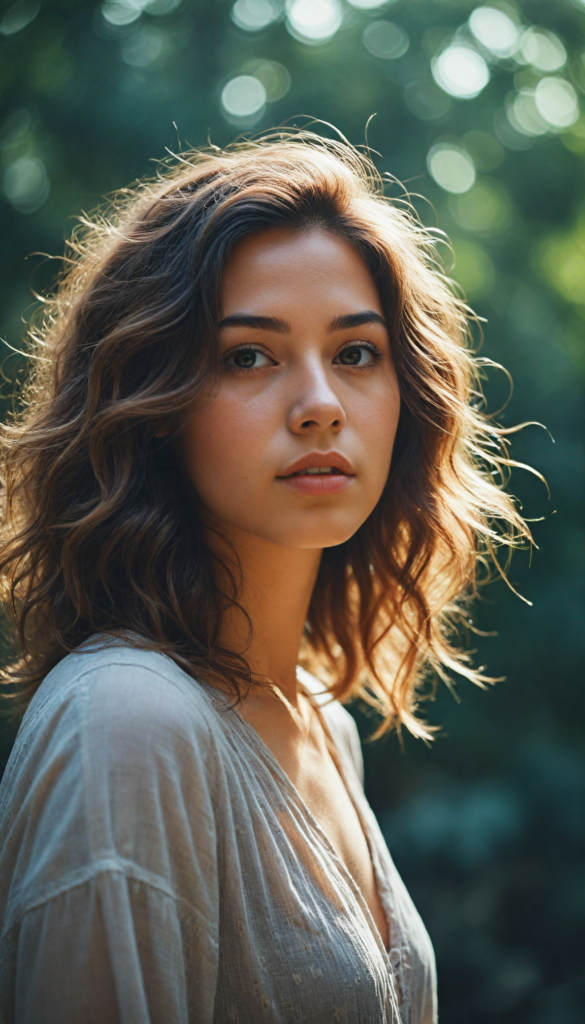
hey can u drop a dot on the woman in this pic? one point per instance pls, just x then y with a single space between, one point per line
252 438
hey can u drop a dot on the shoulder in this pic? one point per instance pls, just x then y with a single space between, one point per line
113 719
115 773
340 722
122 689
115 768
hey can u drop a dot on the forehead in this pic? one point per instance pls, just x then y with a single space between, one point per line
297 267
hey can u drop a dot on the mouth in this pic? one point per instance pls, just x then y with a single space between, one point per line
319 471
318 464
319 474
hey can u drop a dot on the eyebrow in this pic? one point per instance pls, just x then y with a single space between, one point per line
271 323
367 316
258 323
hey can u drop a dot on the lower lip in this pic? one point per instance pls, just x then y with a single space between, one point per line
322 483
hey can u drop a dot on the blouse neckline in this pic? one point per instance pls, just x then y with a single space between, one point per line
263 751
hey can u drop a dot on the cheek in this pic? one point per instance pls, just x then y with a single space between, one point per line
219 445
376 423
208 445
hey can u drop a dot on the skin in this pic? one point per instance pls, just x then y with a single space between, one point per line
301 381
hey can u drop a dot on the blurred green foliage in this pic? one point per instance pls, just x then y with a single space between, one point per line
477 111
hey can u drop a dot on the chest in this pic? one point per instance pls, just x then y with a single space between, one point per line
295 943
309 759
323 790
293 927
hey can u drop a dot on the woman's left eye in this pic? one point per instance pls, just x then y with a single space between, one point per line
357 355
248 359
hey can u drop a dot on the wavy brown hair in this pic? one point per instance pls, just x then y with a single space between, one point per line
102 533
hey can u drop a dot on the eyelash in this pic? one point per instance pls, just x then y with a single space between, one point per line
244 348
375 352
369 345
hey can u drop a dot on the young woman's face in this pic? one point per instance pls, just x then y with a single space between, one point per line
295 447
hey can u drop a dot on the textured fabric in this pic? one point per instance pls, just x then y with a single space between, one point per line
157 865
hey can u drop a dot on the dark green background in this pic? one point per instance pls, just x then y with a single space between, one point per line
487 827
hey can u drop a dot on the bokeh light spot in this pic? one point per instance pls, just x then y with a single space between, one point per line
26 184
369 5
314 21
461 71
542 49
161 7
494 30
451 167
15 129
273 76
562 259
474 269
574 139
486 208
253 15
143 46
18 17
386 40
122 12
524 115
243 96
556 102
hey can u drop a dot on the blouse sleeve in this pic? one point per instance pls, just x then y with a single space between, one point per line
112 914
111 949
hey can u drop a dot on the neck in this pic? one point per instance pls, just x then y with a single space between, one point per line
276 591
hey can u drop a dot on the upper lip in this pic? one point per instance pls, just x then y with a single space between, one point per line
320 460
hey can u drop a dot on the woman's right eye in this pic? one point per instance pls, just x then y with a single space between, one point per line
248 359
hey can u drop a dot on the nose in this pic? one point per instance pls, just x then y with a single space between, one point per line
315 405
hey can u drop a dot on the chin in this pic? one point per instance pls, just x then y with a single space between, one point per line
315 539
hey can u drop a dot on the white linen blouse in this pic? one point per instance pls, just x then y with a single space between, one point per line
157 866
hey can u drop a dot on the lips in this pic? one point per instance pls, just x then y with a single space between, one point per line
319 474
317 471
318 464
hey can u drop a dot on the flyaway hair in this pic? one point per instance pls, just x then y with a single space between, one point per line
102 533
